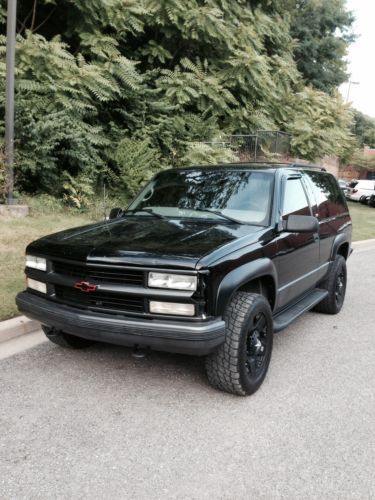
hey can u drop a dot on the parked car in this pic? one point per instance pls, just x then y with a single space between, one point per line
344 185
371 201
364 199
360 188
208 261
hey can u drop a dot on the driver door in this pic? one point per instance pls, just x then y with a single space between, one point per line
297 258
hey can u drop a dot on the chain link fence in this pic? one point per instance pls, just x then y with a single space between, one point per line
263 145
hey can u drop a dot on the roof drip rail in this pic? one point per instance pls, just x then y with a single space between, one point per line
306 165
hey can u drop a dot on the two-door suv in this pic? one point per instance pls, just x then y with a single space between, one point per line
206 261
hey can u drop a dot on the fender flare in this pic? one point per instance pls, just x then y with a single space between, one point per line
239 277
338 241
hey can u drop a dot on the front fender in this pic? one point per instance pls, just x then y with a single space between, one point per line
239 277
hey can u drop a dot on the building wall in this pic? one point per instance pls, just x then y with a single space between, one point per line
331 164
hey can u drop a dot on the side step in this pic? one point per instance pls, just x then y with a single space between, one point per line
287 316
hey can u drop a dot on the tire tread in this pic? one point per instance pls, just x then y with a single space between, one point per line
222 366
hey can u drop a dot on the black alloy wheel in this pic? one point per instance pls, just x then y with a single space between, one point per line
240 364
256 345
340 287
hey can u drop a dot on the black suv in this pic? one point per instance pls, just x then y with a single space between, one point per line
206 260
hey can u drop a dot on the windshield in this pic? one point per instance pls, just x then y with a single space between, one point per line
234 195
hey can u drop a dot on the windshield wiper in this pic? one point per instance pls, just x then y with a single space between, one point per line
217 212
148 211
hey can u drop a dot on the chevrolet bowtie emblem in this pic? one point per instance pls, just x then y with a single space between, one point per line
84 286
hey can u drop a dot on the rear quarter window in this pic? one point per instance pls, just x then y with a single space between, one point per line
328 195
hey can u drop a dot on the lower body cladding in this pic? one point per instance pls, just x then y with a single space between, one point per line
196 338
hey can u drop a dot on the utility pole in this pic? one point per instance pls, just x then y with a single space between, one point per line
349 86
9 100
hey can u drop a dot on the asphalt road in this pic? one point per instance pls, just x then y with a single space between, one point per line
99 424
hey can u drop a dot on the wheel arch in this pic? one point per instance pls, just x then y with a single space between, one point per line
341 246
258 277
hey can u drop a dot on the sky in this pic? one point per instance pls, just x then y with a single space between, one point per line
361 59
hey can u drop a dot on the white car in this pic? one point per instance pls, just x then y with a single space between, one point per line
360 188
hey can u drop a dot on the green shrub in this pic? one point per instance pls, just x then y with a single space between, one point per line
205 154
162 74
78 191
136 162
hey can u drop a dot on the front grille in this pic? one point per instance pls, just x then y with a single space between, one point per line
100 300
97 273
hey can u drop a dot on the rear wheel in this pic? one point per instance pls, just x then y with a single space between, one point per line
65 339
240 364
335 283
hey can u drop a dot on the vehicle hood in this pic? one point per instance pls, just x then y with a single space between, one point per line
142 241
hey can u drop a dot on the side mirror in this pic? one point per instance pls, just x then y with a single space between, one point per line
116 212
301 224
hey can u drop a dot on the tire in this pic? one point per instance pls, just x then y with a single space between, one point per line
363 199
335 283
240 364
66 339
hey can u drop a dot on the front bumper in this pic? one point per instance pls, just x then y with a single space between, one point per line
198 338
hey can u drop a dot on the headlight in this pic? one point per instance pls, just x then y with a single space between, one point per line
36 285
172 308
36 262
172 281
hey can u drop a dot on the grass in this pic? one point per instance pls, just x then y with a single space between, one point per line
363 221
48 216
15 234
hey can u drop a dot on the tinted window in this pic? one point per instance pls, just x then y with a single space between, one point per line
244 195
329 197
295 201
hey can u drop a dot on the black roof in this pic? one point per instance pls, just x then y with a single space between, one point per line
271 165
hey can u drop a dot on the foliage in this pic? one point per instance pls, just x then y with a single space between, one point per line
136 162
116 89
45 204
320 125
364 130
322 29
78 191
205 154
362 161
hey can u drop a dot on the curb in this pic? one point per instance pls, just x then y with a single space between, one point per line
363 242
15 327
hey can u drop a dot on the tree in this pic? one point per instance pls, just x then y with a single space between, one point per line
322 31
362 162
364 130
94 76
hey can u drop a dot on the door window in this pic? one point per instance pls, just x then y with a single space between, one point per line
329 197
295 200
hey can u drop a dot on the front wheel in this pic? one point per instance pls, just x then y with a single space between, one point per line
65 339
240 364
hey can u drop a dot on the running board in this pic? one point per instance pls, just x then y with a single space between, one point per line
284 318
